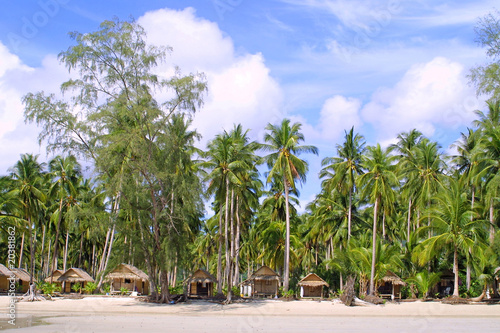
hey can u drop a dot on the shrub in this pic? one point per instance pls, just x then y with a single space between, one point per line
77 288
123 290
90 287
49 288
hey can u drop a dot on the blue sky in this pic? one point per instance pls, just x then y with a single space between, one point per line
381 66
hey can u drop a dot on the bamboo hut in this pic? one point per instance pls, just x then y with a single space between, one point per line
312 286
22 279
390 286
73 276
264 282
5 273
54 276
446 284
200 284
129 277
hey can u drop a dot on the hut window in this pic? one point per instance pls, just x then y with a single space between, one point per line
127 281
204 284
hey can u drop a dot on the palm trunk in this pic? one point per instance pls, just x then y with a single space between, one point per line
43 248
47 265
468 278
492 223
56 242
409 222
219 258
101 265
349 215
374 248
287 241
455 271
81 251
383 225
66 251
237 244
21 252
226 232
32 251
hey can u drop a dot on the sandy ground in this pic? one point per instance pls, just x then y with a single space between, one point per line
100 314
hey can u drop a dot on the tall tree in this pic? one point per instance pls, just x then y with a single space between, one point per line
341 171
378 185
283 142
27 186
115 119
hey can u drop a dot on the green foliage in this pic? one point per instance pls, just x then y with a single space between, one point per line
123 290
424 281
77 287
106 288
90 287
49 288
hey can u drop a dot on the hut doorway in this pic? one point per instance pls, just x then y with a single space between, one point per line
202 288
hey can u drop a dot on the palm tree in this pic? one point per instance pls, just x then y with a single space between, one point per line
378 185
66 173
406 148
452 226
341 171
28 187
283 142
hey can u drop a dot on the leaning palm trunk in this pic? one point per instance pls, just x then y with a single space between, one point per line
492 223
374 248
349 215
226 231
21 252
409 221
236 254
56 242
287 242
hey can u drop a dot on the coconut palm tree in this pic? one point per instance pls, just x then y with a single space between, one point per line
27 175
452 226
283 142
65 172
341 171
377 185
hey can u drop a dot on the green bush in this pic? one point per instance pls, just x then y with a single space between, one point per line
49 288
106 288
123 290
77 288
90 287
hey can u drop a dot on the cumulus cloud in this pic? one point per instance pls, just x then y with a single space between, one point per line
429 95
240 87
338 114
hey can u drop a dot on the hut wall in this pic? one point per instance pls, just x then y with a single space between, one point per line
4 284
268 287
310 291
24 286
68 286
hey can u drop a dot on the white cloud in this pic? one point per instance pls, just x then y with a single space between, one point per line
429 95
17 79
240 88
338 114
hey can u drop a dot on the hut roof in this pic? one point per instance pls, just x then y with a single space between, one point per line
312 280
75 275
264 273
393 278
125 271
55 275
202 276
4 271
21 274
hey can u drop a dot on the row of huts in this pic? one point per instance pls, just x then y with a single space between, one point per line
123 276
264 282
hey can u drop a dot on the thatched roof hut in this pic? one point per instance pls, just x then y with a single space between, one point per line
200 284
263 282
312 286
22 278
73 276
390 286
5 273
446 284
54 276
129 277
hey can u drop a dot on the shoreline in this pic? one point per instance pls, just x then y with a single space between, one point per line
130 315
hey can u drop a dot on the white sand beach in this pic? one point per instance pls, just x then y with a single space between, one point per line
115 314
